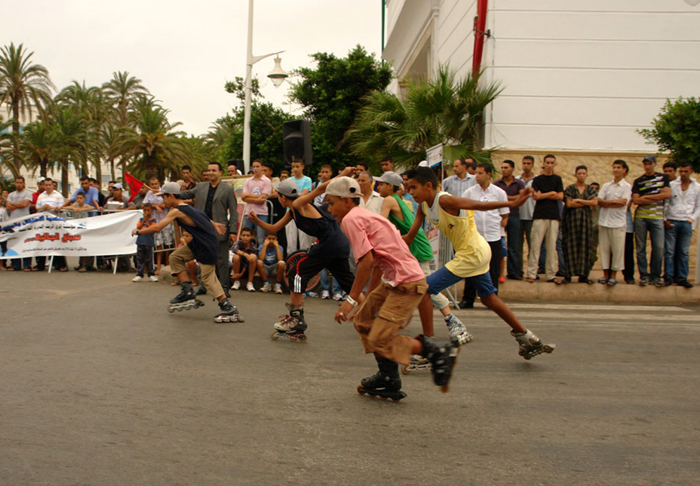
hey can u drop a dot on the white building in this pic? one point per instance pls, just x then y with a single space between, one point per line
578 76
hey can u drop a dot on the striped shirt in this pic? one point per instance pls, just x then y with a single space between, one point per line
456 186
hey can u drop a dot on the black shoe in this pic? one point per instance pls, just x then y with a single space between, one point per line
513 277
644 281
630 281
685 284
668 282
658 282
202 291
466 305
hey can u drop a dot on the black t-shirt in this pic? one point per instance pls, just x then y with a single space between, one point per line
331 239
547 208
205 242
647 186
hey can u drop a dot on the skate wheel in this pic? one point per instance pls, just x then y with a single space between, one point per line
274 336
170 310
405 370
179 309
360 390
548 348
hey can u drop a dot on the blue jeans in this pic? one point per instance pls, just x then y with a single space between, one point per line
20 263
325 284
259 232
655 228
677 244
515 247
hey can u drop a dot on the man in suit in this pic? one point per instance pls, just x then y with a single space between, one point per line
218 201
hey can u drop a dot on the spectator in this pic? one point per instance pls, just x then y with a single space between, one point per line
527 209
370 199
51 201
513 187
488 224
649 193
139 198
297 239
79 207
118 200
359 168
165 237
577 227
101 198
245 257
628 271
284 174
18 205
387 164
232 169
145 245
681 211
549 190
613 200
460 181
3 218
324 175
670 168
40 187
92 197
271 263
219 202
256 190
595 215
187 177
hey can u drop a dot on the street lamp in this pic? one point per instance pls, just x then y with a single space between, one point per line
278 75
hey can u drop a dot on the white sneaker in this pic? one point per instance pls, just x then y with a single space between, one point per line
137 279
278 288
236 285
266 287
152 278
337 296
325 294
250 287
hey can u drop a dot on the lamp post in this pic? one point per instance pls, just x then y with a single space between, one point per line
278 75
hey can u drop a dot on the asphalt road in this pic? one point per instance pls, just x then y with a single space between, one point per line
101 386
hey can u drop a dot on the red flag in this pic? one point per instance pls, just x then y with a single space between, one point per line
135 185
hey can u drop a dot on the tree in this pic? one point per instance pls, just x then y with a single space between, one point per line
677 129
441 111
73 141
331 95
265 128
152 144
38 145
25 87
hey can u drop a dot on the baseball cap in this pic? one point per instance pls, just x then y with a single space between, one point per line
423 163
391 178
649 158
170 188
117 186
343 187
288 188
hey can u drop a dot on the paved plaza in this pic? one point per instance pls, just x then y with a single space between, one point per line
101 386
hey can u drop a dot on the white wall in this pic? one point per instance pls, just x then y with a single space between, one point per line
586 75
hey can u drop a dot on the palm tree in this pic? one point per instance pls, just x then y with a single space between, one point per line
441 111
25 87
38 145
73 141
152 143
91 103
121 92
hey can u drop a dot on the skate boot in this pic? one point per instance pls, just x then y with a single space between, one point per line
530 345
385 384
291 326
418 363
185 300
229 313
458 332
442 357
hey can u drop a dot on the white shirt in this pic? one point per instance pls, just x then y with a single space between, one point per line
456 186
614 217
55 200
683 205
528 208
488 223
374 204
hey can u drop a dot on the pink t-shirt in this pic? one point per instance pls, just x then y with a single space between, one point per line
368 231
257 187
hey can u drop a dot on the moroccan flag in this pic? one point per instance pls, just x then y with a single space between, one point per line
135 185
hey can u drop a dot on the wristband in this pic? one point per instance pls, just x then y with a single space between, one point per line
351 301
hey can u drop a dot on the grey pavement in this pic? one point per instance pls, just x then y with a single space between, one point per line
101 386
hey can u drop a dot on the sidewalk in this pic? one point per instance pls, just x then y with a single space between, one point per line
521 291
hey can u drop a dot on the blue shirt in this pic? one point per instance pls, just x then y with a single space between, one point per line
303 183
91 197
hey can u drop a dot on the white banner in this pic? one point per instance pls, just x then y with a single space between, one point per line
45 234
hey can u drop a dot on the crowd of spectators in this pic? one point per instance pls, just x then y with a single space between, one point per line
567 229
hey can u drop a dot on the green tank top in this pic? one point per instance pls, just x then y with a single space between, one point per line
420 248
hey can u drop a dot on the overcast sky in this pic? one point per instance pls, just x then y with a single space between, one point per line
184 51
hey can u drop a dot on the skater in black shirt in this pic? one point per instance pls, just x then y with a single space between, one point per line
203 247
331 252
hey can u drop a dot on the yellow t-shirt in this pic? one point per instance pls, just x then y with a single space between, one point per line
472 252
